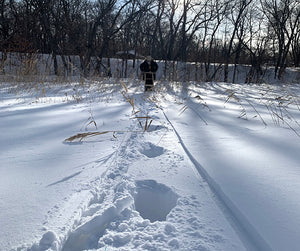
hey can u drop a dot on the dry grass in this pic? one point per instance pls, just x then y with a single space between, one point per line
144 122
129 99
202 102
231 94
81 136
278 106
90 121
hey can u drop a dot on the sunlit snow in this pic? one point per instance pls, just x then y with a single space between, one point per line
216 169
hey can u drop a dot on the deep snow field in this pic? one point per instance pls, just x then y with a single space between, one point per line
189 166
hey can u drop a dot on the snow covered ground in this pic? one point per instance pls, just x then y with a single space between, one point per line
198 166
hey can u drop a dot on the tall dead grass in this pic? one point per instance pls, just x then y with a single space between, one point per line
277 102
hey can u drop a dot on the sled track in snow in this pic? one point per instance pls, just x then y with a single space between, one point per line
245 230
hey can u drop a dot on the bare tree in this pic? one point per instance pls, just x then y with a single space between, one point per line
4 22
108 18
295 53
283 17
4 31
209 39
255 42
236 16
167 29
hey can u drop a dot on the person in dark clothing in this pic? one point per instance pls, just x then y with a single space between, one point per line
148 69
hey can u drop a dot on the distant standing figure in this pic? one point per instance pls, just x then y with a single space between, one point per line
148 69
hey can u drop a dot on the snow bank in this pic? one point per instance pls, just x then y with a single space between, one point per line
30 66
216 170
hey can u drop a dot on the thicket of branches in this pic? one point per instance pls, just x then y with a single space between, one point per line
218 32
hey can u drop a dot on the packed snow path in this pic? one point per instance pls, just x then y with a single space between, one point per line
200 178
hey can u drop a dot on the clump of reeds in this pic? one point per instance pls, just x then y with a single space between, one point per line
202 102
129 99
278 109
231 94
90 121
144 122
277 106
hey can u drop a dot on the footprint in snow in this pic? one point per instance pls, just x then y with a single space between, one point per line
151 150
154 201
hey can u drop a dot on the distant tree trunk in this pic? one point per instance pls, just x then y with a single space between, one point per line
55 63
65 64
295 53
3 59
284 18
236 61
219 9
240 9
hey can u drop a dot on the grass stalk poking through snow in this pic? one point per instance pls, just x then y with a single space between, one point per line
144 121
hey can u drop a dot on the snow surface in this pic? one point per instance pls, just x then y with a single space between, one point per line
217 169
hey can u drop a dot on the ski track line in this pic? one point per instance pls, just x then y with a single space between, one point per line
245 230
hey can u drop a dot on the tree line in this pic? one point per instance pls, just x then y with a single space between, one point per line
216 33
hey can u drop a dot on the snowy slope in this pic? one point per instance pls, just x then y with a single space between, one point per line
200 178
251 163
